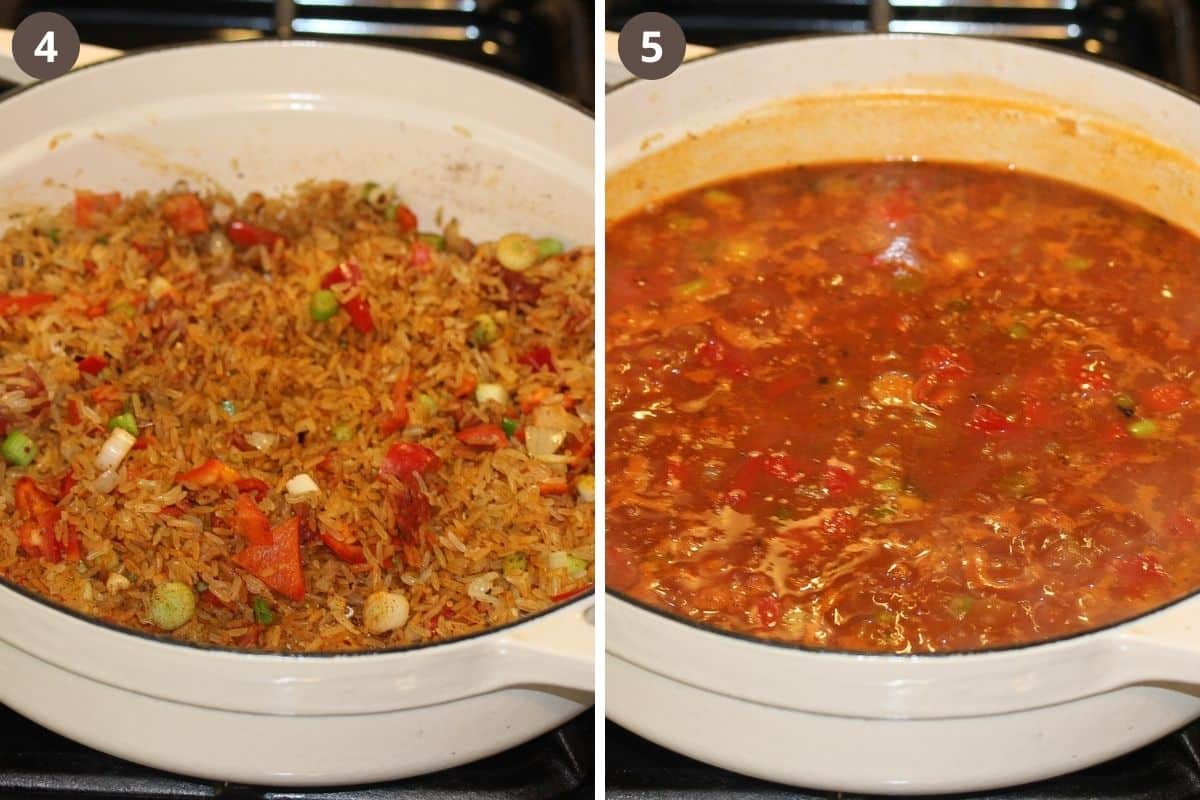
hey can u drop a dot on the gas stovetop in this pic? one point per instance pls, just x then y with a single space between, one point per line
35 763
1168 769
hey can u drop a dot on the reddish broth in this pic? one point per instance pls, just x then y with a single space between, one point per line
902 407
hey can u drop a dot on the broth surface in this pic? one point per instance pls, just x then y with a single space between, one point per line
902 407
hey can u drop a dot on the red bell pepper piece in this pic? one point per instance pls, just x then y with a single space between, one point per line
466 386
154 254
277 564
31 501
258 489
186 214
211 473
250 521
538 358
483 436
12 305
89 206
360 313
420 255
93 365
247 234
406 220
37 541
553 488
399 416
567 595
350 552
345 272
405 458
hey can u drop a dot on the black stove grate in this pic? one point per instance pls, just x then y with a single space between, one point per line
35 763
548 42
1158 37
1168 769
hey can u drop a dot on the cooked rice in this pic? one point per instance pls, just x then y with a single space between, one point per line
234 325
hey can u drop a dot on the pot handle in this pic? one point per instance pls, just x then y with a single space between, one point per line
558 651
1163 647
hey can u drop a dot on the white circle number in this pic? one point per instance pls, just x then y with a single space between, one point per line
45 48
650 44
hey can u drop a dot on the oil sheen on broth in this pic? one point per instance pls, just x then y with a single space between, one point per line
902 407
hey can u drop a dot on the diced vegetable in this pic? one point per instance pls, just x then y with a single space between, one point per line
405 458
485 331
116 583
1077 263
434 240
384 612
211 473
491 393
343 433
302 485
1142 429
399 416
342 547
1018 330
263 614
549 247
247 234
483 436
585 485
172 605
538 358
186 214
428 404
262 441
515 564
250 521
115 448
576 567
92 365
277 564
323 306
541 441
375 195
18 304
961 606
517 252
509 426
18 449
89 206
405 219
125 422
1124 402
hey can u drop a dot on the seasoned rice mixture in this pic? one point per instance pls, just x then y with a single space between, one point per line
295 423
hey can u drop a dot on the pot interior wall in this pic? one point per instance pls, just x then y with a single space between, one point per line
788 104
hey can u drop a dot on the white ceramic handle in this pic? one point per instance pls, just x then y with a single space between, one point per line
559 651
1163 647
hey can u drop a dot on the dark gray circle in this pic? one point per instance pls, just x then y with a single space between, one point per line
45 45
651 45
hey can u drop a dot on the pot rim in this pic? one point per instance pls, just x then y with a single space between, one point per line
153 639
796 41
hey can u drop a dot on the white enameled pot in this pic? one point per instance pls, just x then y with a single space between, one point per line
498 155
904 724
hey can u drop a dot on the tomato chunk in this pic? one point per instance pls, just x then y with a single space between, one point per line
484 436
93 365
186 214
343 548
405 458
247 234
399 417
538 358
213 472
277 564
250 521
89 206
12 305
406 220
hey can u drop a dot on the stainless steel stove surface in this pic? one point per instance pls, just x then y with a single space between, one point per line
1158 37
548 43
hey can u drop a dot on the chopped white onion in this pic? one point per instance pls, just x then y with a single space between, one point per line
159 287
384 612
262 441
118 445
556 417
116 583
222 212
106 482
586 486
301 485
543 441
491 393
480 587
